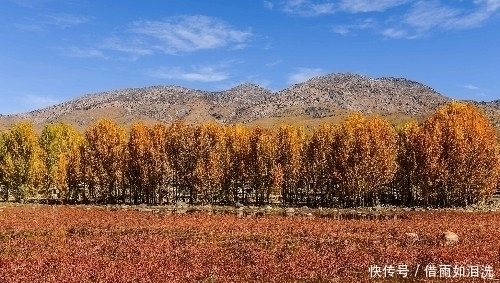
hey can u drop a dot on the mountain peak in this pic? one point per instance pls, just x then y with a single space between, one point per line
322 97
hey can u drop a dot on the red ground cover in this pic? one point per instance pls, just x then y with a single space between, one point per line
76 244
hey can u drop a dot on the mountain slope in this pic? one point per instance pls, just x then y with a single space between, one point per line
320 99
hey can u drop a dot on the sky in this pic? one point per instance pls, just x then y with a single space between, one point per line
52 51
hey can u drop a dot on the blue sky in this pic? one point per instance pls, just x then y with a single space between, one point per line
55 50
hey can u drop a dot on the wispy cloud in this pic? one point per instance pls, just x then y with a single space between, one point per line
415 18
313 8
303 74
189 33
471 87
363 6
174 35
194 73
79 52
44 21
427 16
348 28
304 8
64 20
39 101
274 63
133 48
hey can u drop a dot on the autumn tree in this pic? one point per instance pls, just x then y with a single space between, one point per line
458 156
212 161
103 154
406 187
57 142
364 151
137 162
182 159
21 161
318 165
69 175
262 162
236 186
290 142
160 172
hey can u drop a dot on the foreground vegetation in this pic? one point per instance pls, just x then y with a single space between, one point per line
451 159
92 244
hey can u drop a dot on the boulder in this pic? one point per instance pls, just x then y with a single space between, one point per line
450 237
412 237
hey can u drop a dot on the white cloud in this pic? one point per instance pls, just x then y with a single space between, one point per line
474 88
79 52
394 33
342 30
268 5
274 63
64 20
363 6
414 18
303 74
40 101
45 21
189 33
195 73
312 8
426 16
346 29
471 87
307 8
135 48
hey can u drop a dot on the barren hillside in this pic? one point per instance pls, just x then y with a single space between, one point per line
325 98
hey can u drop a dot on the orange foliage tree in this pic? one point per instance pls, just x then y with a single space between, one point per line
458 157
290 142
318 165
364 152
212 162
182 159
262 162
104 161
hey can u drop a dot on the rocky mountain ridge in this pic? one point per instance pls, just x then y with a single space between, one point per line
316 99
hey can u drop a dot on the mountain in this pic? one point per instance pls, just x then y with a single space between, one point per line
321 99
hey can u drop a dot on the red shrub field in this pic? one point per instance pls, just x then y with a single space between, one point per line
93 244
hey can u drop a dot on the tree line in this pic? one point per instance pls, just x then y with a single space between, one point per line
451 159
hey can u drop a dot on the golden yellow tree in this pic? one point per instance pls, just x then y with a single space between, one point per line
69 177
138 168
236 186
365 151
262 161
405 184
458 152
21 162
104 156
318 165
182 159
57 141
290 143
160 173
211 166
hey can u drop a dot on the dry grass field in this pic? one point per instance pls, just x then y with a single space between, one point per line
41 243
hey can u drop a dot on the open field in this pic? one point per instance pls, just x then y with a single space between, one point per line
41 243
